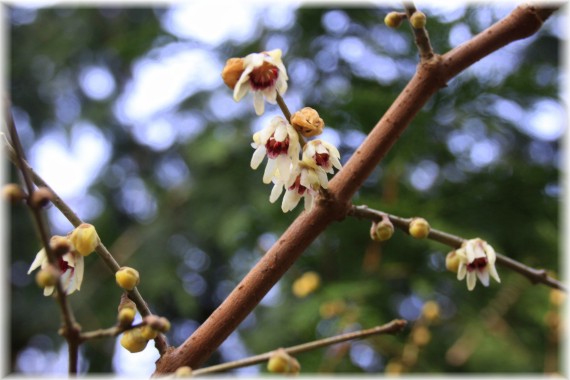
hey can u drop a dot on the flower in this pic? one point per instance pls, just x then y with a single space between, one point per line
322 154
264 74
70 264
477 260
280 142
84 238
305 181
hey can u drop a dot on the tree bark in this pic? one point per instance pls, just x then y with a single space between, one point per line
431 75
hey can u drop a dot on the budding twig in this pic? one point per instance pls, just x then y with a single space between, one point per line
532 274
421 34
392 327
71 216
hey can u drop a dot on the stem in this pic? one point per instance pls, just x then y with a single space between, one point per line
430 76
532 274
390 328
421 34
102 251
283 107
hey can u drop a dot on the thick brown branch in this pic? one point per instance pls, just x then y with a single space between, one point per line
431 75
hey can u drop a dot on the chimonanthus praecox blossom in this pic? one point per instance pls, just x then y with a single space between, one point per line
264 74
70 265
280 142
323 154
476 260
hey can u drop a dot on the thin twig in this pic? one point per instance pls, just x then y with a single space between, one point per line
389 328
421 34
283 107
71 328
532 274
102 251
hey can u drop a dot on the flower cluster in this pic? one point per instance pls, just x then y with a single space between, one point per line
69 251
298 168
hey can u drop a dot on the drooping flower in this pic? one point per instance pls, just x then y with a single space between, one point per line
280 143
304 182
322 154
70 265
264 75
476 260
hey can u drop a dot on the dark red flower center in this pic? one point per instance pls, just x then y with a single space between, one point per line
275 148
297 186
322 159
477 264
63 265
264 76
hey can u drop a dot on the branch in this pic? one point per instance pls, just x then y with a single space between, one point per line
392 327
430 76
101 250
532 274
421 34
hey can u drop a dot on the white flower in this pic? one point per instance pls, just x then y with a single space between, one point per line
264 74
323 154
305 182
477 260
70 265
280 142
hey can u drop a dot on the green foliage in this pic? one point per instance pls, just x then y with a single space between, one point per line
209 221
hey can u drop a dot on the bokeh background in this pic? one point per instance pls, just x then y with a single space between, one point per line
123 112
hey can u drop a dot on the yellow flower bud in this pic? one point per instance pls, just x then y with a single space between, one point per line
394 19
84 239
232 71
381 231
306 284
47 276
419 228
127 278
133 340
126 316
421 336
41 197
281 362
430 310
418 20
452 261
307 122
148 332
13 192
184 371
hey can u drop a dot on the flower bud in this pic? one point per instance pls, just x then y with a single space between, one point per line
127 278
13 192
148 332
126 316
133 340
419 228
157 323
394 19
381 231
59 245
41 197
184 371
281 362
47 276
418 20
306 284
430 311
84 239
452 261
307 122
232 71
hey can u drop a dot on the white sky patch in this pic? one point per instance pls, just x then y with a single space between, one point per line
202 21
546 120
158 134
97 82
70 169
423 176
160 81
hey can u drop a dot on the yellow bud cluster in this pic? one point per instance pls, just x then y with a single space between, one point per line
133 340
